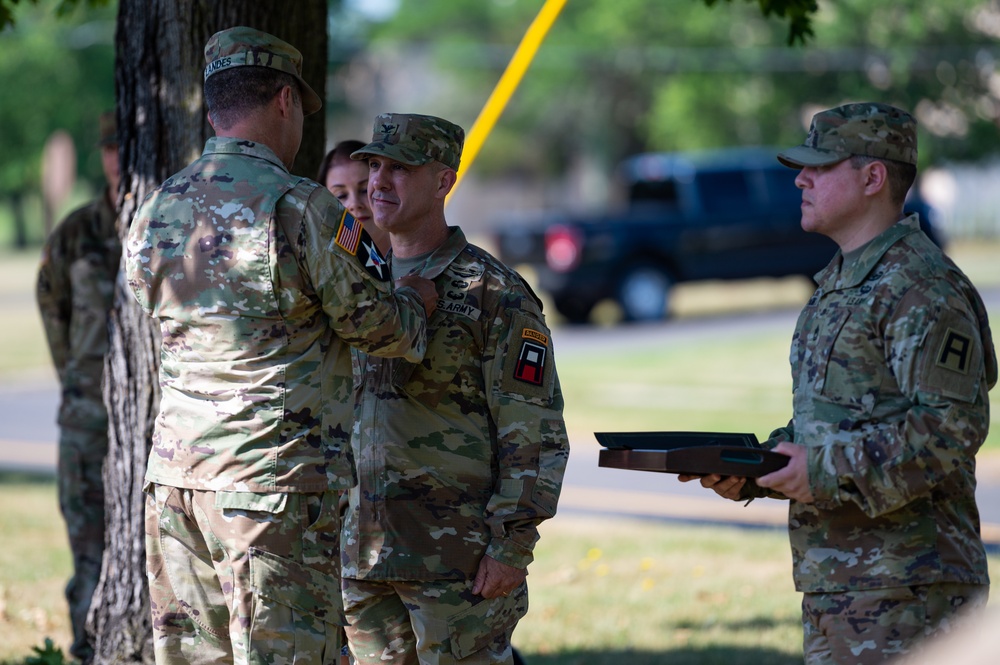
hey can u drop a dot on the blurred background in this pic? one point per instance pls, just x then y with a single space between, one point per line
613 78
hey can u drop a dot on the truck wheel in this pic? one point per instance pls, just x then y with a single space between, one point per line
643 292
574 310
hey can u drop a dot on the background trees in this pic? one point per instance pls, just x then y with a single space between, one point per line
614 77
620 76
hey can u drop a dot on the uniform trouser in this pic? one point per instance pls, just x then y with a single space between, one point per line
863 627
431 623
237 577
81 501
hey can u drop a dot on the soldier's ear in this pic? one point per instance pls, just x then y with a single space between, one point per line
876 177
287 100
446 179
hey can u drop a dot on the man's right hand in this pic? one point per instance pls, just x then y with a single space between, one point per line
424 287
728 487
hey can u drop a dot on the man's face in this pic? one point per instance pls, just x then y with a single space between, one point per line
831 197
402 196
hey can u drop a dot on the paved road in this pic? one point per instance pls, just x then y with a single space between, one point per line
28 433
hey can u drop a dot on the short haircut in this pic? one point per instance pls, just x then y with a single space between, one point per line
900 175
340 154
232 93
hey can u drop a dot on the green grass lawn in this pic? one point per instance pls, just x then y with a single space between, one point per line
22 338
604 590
34 567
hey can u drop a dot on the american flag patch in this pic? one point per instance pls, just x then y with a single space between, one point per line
349 233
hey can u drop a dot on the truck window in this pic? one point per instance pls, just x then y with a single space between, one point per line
781 189
660 192
724 191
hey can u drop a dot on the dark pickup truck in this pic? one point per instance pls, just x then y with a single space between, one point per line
717 215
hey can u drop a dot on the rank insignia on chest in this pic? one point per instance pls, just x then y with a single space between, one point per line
531 358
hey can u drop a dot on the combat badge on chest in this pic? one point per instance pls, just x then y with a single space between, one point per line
458 280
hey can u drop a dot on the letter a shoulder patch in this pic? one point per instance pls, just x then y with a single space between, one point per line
952 364
528 367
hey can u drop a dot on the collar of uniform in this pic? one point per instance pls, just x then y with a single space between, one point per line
236 146
442 257
854 273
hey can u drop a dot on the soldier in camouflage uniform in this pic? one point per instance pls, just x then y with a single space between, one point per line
75 289
259 280
460 456
891 361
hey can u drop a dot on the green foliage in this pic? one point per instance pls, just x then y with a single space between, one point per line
616 77
46 655
58 73
797 12
63 8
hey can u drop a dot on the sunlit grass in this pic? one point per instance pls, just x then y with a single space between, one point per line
34 566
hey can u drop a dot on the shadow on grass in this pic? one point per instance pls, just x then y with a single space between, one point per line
17 477
721 655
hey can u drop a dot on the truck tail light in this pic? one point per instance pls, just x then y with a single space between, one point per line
563 247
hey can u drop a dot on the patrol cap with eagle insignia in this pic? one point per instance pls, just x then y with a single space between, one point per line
248 47
415 140
869 129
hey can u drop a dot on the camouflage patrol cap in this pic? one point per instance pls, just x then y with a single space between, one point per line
242 46
869 129
415 139
108 129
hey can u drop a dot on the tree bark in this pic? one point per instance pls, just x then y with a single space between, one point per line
162 127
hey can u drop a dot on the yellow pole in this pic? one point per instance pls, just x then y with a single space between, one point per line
507 84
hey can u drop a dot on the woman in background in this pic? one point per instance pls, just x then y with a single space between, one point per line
347 179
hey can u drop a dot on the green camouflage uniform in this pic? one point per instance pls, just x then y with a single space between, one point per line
75 289
891 361
459 456
259 279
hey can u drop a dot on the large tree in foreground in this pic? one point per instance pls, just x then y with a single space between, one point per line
162 127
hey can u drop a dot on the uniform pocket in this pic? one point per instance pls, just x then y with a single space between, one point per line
472 630
447 353
297 611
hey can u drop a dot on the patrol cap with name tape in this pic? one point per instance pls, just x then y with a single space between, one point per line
869 129
415 140
247 47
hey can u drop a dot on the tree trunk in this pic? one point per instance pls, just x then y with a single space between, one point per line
162 127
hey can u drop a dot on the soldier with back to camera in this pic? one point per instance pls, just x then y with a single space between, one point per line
260 280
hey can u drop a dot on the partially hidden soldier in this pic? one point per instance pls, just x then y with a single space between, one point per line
76 279
259 280
347 179
892 359
460 456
